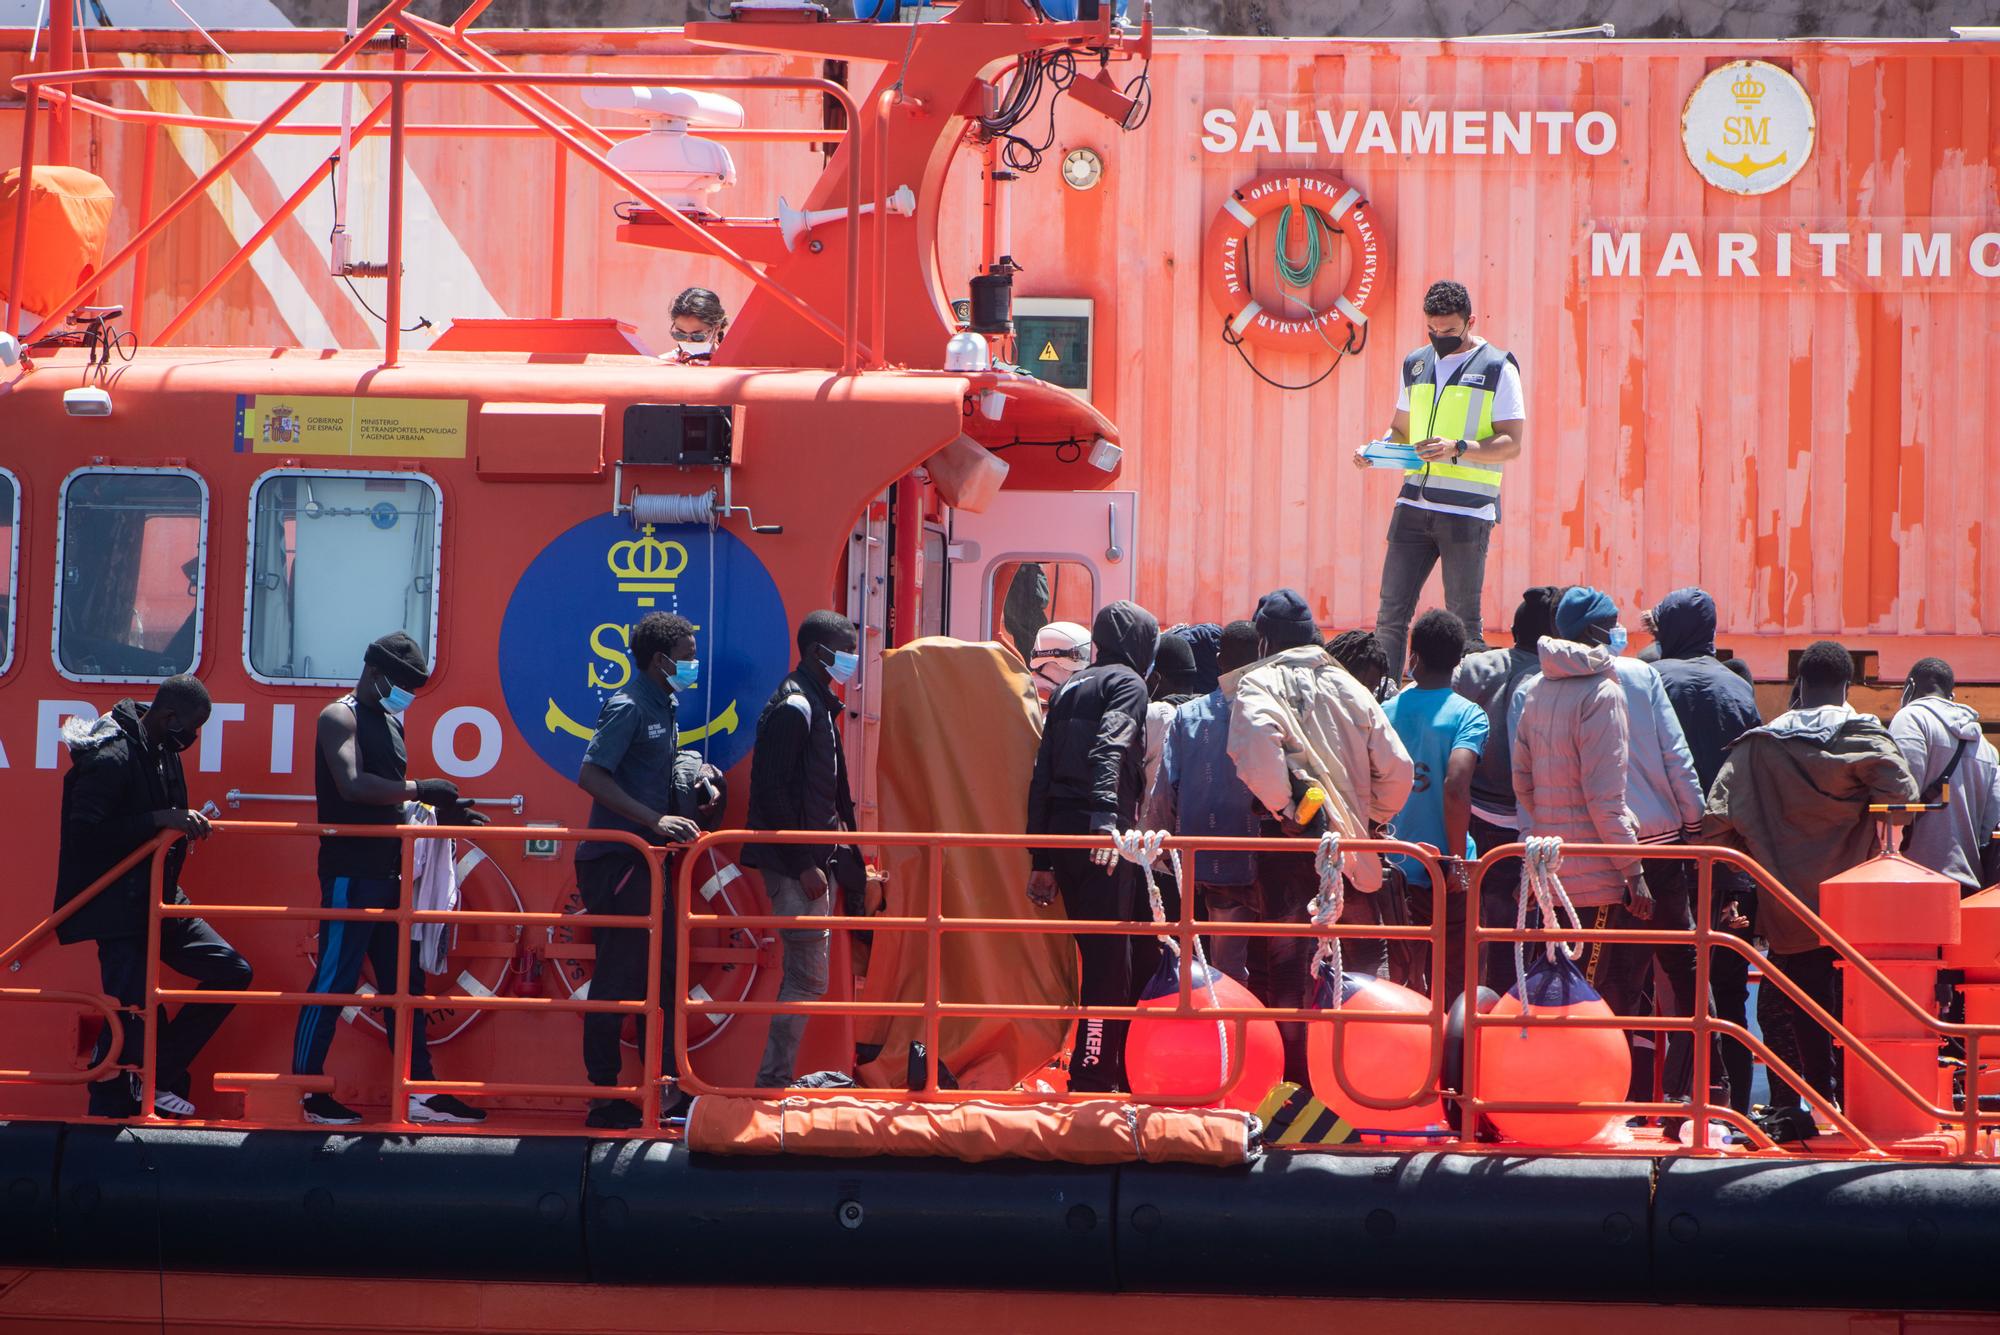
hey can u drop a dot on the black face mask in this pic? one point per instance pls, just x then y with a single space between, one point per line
1446 344
179 739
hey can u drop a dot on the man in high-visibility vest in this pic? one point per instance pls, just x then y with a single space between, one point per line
1462 407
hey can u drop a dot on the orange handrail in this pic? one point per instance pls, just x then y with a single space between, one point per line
400 1002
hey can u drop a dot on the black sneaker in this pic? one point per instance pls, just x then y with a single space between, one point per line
443 1108
326 1110
614 1115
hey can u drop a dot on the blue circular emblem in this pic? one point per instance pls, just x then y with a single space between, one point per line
565 636
383 515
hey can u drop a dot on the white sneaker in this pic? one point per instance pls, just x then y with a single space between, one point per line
169 1104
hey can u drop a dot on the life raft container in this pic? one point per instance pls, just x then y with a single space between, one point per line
1341 326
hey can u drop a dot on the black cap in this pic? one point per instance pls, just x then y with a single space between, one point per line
1173 658
398 657
1284 619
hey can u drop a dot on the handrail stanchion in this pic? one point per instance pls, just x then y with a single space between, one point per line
933 964
149 1013
1702 1009
402 1022
652 1035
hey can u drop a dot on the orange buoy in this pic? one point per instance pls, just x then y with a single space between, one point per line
1381 1061
1184 1059
1552 1065
69 215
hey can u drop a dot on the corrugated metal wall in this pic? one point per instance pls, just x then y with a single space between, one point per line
1813 450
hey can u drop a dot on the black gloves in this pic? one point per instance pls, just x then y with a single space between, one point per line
439 793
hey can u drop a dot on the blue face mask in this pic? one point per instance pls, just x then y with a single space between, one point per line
687 672
1619 639
842 666
395 700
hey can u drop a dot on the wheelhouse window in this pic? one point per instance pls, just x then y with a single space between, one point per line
338 559
129 592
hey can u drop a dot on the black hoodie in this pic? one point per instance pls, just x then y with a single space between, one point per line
1090 771
1714 705
116 781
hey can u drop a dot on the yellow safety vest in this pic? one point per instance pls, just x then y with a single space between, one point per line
1461 410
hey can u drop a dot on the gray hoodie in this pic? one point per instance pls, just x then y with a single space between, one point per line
1927 731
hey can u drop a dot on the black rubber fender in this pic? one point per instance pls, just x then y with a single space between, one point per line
1901 1235
1390 1225
318 1203
656 1214
29 1155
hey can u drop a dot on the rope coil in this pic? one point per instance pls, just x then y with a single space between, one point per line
1540 864
1144 847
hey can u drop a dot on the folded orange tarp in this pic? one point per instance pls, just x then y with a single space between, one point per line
845 1127
69 215
960 725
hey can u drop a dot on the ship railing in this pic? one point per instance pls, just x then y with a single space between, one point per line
1974 1123
472 65
391 995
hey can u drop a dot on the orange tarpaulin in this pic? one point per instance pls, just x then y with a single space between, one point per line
959 730
69 215
845 1127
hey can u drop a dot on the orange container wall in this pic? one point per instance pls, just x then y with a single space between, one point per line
1812 450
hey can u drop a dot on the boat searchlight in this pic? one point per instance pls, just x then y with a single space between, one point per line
684 171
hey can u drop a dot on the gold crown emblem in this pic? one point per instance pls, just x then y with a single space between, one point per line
1748 90
645 564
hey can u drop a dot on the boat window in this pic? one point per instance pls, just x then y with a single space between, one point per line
337 560
10 552
934 591
1026 595
129 594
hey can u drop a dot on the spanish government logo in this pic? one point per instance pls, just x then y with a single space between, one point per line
566 637
1748 127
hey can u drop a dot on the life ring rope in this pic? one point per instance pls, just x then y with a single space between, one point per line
1326 203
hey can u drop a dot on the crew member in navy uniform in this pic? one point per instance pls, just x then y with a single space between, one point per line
634 774
124 786
359 778
1461 406
798 781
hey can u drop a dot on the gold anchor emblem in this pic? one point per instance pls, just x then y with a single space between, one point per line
1746 167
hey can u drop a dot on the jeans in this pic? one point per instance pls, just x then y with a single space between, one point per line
805 974
1231 954
616 884
1794 1037
191 948
1097 1055
342 947
1418 540
1499 900
1288 882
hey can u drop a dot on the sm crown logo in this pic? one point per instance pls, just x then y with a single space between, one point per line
1748 127
646 566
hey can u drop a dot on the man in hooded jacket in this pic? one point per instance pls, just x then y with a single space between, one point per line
124 786
1715 705
1946 749
1089 779
1299 717
1795 794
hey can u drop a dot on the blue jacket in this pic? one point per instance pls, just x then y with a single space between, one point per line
1198 792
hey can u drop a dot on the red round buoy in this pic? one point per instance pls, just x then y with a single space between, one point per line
1183 1059
1382 1061
1547 1065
